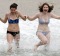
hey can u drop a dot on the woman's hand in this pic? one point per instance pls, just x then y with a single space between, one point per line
25 17
28 17
5 19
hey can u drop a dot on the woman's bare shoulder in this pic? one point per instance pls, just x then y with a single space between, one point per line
17 12
7 14
39 14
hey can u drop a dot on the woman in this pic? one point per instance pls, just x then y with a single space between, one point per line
13 27
43 16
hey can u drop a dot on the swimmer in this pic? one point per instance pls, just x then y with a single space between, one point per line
13 32
44 15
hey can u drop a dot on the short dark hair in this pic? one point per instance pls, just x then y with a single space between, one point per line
14 5
50 7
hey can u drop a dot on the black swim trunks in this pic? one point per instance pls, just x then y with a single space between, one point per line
13 33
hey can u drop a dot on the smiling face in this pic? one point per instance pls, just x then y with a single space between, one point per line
13 10
45 8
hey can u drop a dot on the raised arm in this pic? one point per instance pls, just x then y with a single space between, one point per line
5 19
55 16
31 18
22 16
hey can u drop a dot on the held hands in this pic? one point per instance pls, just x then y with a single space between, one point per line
29 18
26 17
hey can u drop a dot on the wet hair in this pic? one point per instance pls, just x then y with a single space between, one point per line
50 7
14 5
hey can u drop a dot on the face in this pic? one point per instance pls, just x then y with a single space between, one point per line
13 10
45 8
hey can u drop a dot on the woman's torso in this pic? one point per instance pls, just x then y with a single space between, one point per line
44 21
13 21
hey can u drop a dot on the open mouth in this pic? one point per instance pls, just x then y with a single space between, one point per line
45 10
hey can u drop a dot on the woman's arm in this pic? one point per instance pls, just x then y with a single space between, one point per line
5 19
33 17
22 16
55 16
